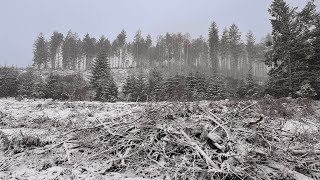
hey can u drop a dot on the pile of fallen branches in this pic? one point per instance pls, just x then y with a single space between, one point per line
197 141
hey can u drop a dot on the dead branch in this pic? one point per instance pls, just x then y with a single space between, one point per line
204 155
219 124
296 175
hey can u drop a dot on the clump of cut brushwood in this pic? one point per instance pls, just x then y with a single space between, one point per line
208 140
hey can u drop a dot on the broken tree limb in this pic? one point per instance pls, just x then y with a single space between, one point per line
219 124
255 122
67 152
203 154
296 175
303 151
248 107
54 146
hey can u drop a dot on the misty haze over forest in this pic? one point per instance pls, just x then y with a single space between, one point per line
164 90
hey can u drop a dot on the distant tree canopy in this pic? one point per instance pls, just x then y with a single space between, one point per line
218 66
174 52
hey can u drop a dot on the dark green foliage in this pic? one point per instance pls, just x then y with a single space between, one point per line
176 89
74 87
129 88
155 86
214 46
54 87
26 83
40 52
89 49
293 57
71 50
55 42
103 46
8 82
30 84
216 88
102 80
197 86
251 50
38 89
135 88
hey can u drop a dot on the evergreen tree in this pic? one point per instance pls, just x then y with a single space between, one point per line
38 88
224 51
26 82
138 48
55 43
214 46
129 88
234 43
102 80
250 48
89 50
292 46
54 87
141 87
155 85
103 46
40 52
70 51
8 82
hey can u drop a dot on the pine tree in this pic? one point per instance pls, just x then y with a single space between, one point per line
214 46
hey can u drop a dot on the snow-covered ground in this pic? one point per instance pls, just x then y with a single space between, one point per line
49 121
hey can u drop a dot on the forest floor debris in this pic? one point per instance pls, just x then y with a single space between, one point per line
264 139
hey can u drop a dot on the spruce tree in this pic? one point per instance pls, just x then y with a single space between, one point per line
26 82
40 52
214 46
234 44
89 50
102 80
155 85
129 88
55 43
8 82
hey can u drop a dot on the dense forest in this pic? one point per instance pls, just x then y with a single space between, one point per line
178 67
174 52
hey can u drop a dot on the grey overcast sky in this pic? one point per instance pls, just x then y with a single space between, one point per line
22 20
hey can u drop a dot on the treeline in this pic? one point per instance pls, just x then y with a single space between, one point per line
295 50
192 87
292 53
30 84
226 54
138 87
